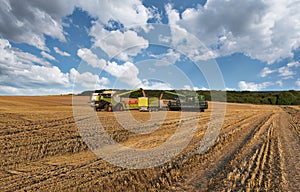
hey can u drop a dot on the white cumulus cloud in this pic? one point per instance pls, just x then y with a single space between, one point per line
29 21
127 72
62 53
87 80
293 64
91 58
146 84
251 86
121 45
262 29
31 79
266 71
194 88
22 73
286 72
128 12
47 55
168 58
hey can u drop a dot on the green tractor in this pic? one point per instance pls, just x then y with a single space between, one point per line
189 102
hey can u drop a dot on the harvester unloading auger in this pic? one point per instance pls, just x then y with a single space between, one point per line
111 101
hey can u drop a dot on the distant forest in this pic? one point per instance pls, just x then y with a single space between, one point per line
254 97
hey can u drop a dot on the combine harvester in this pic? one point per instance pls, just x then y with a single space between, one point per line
111 101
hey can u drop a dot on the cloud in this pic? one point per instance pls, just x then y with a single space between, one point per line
251 86
164 39
87 80
230 89
121 45
47 55
195 88
12 56
20 67
147 84
28 21
286 72
128 13
31 78
266 71
88 56
127 72
293 64
62 53
264 30
184 41
20 75
168 58
24 73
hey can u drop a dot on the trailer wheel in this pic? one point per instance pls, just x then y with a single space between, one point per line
109 108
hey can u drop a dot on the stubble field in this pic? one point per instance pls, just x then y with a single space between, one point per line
258 149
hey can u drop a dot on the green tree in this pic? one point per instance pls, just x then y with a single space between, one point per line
285 98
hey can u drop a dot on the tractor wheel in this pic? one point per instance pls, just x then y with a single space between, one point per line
118 107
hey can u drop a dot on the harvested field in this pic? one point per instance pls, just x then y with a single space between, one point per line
258 149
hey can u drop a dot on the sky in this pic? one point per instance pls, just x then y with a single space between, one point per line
61 47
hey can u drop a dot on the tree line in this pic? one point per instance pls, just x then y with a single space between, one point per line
258 97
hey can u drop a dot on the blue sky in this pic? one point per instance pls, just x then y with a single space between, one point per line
53 47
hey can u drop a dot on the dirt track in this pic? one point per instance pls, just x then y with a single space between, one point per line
258 149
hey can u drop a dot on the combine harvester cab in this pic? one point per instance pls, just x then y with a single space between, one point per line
106 101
